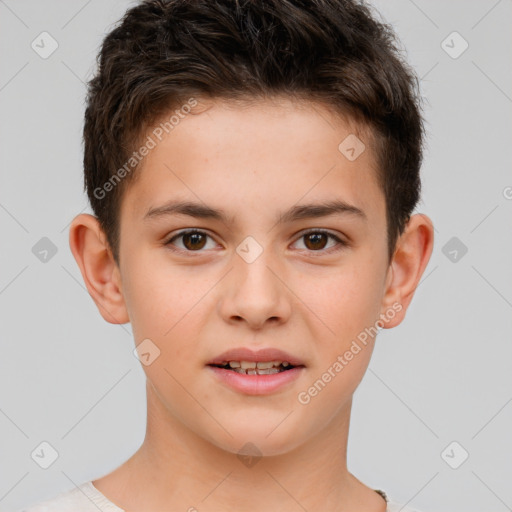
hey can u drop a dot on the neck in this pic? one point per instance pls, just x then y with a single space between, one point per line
174 466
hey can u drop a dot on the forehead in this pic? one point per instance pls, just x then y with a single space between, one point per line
264 152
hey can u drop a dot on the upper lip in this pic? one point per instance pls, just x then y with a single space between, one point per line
262 355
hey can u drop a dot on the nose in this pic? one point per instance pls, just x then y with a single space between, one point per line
255 293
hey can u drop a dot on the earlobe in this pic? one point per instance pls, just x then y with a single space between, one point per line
411 257
100 273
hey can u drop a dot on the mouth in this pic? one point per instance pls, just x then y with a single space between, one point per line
256 367
259 372
265 361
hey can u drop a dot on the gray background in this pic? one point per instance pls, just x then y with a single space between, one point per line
69 378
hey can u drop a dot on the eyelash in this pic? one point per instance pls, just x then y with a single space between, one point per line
341 244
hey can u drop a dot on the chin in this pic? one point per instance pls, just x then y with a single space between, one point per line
258 439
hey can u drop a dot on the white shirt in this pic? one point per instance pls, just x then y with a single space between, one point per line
86 498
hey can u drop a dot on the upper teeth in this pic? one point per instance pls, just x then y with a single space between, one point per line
253 364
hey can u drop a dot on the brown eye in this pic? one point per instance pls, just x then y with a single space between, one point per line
194 241
315 241
191 241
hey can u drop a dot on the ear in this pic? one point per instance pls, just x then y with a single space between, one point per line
411 257
99 270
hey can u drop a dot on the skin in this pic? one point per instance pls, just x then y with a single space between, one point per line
253 161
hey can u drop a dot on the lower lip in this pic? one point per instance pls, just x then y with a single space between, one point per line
257 384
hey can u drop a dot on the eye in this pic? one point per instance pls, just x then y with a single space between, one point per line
193 240
315 240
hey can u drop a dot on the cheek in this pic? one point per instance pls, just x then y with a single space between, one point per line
160 300
345 300
348 307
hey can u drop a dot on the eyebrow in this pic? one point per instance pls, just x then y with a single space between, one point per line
298 212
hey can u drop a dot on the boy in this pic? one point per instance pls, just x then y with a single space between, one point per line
253 167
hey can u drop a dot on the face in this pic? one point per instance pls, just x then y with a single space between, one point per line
264 270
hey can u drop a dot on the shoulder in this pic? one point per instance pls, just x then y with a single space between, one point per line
394 506
84 498
63 502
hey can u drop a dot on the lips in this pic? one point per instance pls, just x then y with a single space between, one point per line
261 356
257 372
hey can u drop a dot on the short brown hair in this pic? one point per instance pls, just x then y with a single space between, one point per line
333 51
